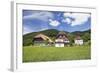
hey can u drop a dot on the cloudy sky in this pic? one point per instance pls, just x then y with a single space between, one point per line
34 21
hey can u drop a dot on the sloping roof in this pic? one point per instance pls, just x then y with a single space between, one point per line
62 35
62 32
78 38
44 37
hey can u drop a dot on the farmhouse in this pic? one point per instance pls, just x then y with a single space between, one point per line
42 40
78 40
61 39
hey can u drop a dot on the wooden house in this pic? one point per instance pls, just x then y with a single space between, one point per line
61 39
78 40
42 40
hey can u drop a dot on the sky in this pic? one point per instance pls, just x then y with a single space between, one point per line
35 21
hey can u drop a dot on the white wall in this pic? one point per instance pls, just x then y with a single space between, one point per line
59 45
5 35
78 42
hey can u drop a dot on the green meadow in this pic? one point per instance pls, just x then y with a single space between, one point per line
44 53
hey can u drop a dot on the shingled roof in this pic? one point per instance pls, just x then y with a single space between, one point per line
78 38
44 37
62 35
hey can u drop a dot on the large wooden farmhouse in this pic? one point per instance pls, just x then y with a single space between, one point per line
41 40
61 39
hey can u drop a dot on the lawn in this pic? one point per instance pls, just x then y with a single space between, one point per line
37 54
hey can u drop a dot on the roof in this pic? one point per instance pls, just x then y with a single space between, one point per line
78 38
44 37
62 35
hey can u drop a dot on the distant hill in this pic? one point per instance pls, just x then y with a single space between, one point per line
81 32
27 38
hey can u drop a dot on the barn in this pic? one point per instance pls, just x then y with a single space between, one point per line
41 40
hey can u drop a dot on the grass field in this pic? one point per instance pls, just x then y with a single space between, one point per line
37 54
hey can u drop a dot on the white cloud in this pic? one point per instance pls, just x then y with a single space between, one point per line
67 20
44 16
26 30
54 22
79 18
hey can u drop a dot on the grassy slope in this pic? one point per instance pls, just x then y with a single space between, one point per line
36 54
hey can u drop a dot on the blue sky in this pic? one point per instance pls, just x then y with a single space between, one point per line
34 21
